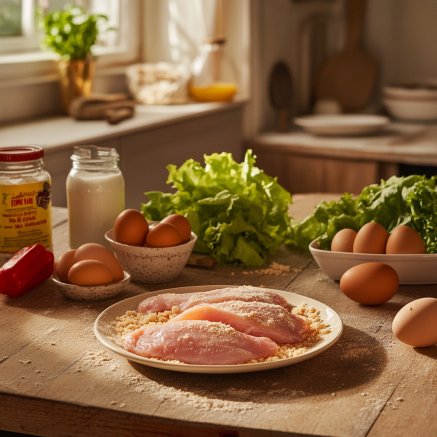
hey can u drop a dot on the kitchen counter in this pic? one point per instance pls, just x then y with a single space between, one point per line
57 380
308 163
59 133
147 143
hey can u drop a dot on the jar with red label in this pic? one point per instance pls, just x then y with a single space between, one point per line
25 200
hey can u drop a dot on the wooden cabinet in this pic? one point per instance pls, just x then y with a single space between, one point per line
306 174
145 155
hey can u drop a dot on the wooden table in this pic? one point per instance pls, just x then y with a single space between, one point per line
368 384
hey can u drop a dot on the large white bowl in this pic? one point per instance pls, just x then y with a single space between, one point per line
414 110
152 265
417 93
105 332
411 269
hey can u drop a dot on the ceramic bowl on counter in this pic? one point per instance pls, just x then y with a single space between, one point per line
92 293
152 265
413 110
411 269
411 92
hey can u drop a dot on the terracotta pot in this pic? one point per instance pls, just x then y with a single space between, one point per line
76 79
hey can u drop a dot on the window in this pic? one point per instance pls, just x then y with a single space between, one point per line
20 35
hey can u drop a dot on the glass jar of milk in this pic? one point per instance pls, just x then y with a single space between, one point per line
95 194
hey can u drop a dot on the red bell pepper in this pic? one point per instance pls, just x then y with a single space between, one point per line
28 268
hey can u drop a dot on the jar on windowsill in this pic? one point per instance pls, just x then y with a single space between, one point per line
214 77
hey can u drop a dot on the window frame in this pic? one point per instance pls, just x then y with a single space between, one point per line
37 65
26 41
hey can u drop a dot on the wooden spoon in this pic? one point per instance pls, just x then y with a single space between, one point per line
280 92
350 76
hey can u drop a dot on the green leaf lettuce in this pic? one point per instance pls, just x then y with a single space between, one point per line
410 201
238 213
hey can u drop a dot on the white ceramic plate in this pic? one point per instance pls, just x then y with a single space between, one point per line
411 269
105 332
343 124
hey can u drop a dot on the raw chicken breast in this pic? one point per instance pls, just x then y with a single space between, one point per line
198 342
164 302
254 318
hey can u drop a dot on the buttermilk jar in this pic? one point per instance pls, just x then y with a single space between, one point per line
25 202
95 194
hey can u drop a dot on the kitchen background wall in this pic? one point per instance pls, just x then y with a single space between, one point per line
401 34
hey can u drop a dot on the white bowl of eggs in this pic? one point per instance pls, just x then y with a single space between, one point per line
90 273
152 252
402 251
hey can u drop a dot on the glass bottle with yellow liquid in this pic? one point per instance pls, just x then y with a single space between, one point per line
214 78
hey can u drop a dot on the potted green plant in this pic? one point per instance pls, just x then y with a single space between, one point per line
71 33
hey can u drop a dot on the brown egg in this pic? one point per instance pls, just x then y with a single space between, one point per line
100 253
181 223
371 238
131 228
90 272
405 240
370 283
416 323
64 265
163 235
343 241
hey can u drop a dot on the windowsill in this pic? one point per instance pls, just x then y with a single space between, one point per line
58 133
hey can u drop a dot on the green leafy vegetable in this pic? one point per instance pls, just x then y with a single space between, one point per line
410 201
72 32
238 212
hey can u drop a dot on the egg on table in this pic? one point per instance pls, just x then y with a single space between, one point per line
416 323
163 235
90 272
370 284
343 241
97 252
131 228
64 265
181 223
371 238
405 240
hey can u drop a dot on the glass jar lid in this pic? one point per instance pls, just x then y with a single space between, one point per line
21 154
92 154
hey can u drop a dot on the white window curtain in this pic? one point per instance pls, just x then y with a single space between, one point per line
175 29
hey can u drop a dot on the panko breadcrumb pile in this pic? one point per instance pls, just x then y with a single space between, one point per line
316 329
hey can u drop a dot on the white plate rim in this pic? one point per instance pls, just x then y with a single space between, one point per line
327 341
342 121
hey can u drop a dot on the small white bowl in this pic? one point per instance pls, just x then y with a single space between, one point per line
91 293
152 265
420 110
411 269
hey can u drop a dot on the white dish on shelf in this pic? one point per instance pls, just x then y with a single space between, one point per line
342 124
105 332
411 269
414 110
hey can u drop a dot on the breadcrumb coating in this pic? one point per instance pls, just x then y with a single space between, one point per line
316 329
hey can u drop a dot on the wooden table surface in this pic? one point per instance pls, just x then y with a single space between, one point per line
57 380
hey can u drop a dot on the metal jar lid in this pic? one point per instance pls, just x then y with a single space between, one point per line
21 154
